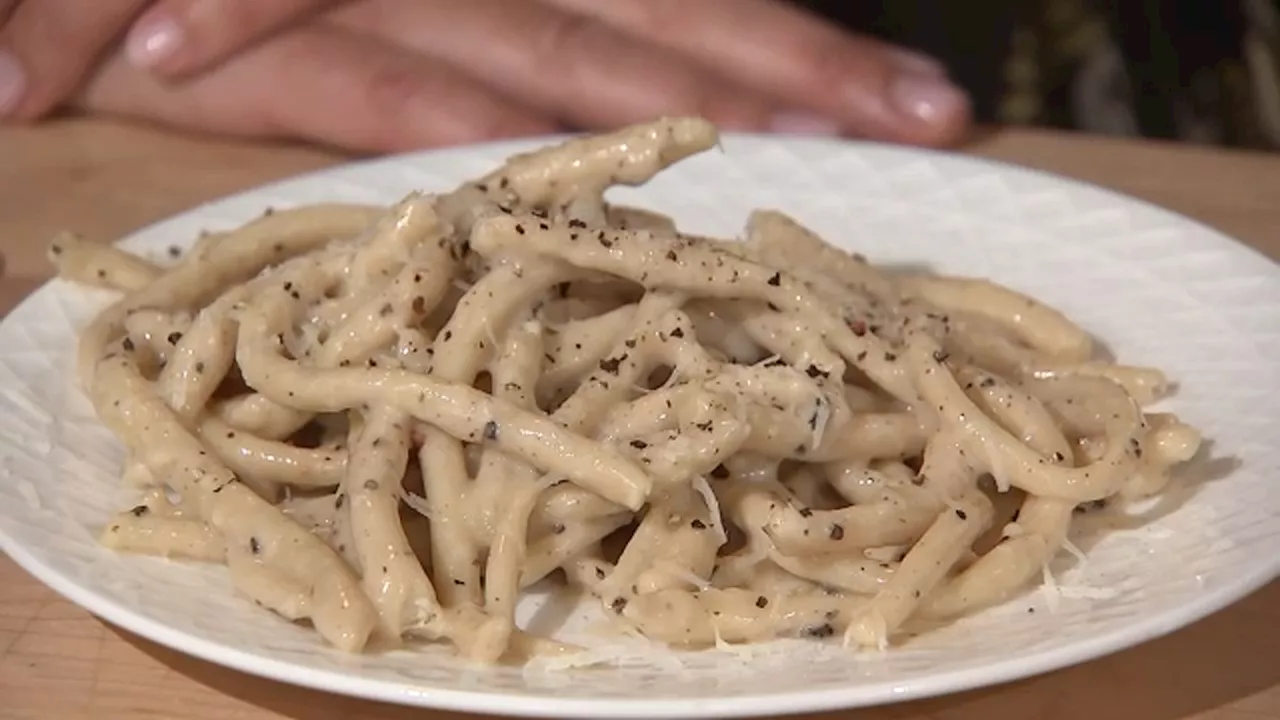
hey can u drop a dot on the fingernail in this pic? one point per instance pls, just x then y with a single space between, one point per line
153 40
912 61
927 98
13 83
799 123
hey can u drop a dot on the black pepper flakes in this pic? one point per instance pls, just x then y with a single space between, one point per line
671 255
762 602
610 365
139 511
836 532
491 430
618 605
961 514
677 333
941 355
174 337
127 344
639 444
776 279
698 524
806 512
254 546
819 631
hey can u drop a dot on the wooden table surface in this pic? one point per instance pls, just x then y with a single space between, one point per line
103 179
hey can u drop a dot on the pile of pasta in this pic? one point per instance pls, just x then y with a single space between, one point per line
391 422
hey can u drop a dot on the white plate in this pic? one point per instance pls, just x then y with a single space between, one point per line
1159 289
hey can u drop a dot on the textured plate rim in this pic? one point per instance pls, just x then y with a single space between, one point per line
1014 667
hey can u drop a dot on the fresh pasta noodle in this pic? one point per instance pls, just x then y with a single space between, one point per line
390 422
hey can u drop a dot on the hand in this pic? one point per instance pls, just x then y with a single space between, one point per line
747 64
48 47
324 84
409 73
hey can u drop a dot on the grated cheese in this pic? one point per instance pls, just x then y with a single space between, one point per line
743 652
418 504
703 488
821 416
1075 551
1052 594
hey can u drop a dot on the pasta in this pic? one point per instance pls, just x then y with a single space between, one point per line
390 422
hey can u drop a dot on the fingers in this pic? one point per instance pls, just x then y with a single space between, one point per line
874 89
179 37
325 85
48 47
571 66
